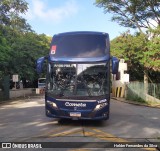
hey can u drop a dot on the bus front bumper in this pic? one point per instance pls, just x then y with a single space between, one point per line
86 115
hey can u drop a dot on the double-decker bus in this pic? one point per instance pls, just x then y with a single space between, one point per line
78 76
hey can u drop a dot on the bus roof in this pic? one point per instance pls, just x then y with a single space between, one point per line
81 32
80 46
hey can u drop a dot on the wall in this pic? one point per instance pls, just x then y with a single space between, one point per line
20 92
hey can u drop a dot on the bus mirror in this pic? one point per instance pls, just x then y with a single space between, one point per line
115 65
40 62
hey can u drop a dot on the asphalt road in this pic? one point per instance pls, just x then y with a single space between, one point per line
25 121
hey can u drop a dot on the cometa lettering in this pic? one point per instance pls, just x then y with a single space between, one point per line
75 104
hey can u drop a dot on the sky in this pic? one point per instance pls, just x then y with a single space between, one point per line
56 16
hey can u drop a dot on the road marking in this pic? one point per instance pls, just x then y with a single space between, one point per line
109 137
53 131
45 135
95 133
104 137
68 132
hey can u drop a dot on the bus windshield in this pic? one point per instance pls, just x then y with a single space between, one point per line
78 81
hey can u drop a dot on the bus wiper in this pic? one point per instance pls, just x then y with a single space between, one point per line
61 94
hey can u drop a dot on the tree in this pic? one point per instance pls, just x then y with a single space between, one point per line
139 54
130 47
19 52
27 48
152 55
135 14
12 27
5 54
10 11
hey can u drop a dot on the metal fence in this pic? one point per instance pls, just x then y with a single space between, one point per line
154 90
141 91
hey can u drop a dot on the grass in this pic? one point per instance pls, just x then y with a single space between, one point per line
139 100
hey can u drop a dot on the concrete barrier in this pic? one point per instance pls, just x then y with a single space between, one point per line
40 90
118 91
21 92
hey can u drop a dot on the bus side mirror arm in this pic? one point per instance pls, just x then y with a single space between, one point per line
115 65
39 64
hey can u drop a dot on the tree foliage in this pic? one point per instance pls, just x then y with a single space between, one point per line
152 55
142 48
130 48
5 54
10 14
133 13
140 54
19 51
20 46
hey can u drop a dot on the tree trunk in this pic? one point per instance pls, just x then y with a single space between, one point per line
6 87
145 82
24 82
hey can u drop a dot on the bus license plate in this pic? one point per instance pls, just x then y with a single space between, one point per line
75 114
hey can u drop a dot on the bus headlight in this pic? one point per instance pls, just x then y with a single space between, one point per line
100 106
52 104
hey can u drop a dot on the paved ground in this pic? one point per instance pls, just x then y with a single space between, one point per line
25 121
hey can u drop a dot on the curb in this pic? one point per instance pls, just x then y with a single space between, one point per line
135 103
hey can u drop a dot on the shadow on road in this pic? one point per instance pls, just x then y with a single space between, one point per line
86 123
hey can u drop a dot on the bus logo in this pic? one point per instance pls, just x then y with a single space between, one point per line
75 104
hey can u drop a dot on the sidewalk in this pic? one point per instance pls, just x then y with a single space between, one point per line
22 99
136 103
